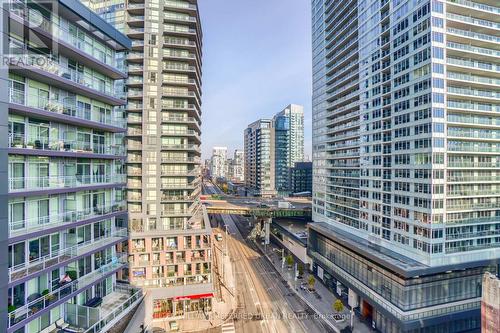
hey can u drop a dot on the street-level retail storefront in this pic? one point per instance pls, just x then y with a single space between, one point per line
182 306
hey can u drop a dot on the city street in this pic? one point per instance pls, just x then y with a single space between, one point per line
265 303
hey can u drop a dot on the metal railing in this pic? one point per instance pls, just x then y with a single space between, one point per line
119 310
59 256
37 223
68 106
64 291
47 182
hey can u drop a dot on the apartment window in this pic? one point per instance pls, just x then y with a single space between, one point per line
438 52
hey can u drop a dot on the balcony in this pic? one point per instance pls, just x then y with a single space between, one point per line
179 30
135 56
176 42
135 69
190 147
179 18
134 81
135 8
180 186
185 133
181 173
479 37
179 5
40 223
134 131
475 106
113 307
59 257
49 71
471 20
482 9
64 292
86 45
176 160
478 93
19 143
177 106
22 184
491 68
479 80
65 110
469 49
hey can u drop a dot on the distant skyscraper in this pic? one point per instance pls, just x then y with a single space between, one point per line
301 177
259 158
289 144
238 167
218 162
405 150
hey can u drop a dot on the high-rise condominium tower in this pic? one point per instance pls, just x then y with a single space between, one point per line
406 155
170 245
219 166
63 205
289 144
259 158
238 166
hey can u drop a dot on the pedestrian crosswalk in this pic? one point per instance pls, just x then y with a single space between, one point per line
228 328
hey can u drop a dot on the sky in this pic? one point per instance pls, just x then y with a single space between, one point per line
256 61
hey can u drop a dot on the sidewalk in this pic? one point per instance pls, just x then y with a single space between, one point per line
323 306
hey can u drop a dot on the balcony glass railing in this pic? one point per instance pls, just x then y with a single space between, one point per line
179 17
66 107
473 63
474 92
473 78
476 5
178 28
82 41
125 306
17 140
474 35
180 147
64 291
473 20
472 164
473 49
180 4
472 147
467 119
17 184
473 106
38 223
62 255
473 178
98 83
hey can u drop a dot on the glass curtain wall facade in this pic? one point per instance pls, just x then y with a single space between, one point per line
289 144
259 158
404 145
66 166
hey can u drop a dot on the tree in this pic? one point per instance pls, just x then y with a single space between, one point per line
338 306
289 260
311 281
301 270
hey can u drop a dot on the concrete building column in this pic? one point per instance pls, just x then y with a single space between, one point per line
353 299
267 230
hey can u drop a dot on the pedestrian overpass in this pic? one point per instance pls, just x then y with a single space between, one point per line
224 207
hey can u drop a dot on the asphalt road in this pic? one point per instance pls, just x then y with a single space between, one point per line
264 301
